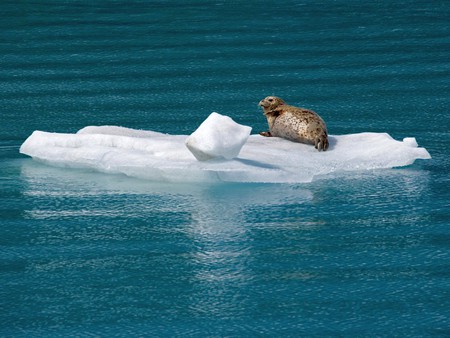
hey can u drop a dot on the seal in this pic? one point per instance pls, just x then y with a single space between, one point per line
294 123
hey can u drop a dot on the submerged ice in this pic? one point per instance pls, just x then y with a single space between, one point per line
243 158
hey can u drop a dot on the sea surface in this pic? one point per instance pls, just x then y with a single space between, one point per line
356 254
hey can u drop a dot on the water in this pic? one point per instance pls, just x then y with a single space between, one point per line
89 254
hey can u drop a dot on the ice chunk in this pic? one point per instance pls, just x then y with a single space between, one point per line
218 137
162 157
410 141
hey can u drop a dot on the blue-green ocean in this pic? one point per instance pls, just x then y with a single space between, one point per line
362 253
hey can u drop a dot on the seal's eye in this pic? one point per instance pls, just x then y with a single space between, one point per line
270 100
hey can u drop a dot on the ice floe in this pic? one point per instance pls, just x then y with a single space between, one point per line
163 157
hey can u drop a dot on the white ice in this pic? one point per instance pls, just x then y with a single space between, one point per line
218 137
162 157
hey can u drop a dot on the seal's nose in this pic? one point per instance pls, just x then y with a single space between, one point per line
260 103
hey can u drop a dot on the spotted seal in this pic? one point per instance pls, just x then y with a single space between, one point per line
294 123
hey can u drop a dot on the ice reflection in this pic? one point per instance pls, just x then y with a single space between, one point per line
224 254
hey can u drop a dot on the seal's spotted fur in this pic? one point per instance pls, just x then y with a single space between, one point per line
293 123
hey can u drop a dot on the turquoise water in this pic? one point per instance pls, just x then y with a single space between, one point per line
90 254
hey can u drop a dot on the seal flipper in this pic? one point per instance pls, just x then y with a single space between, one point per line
321 142
265 133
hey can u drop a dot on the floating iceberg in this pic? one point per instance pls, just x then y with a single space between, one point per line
162 157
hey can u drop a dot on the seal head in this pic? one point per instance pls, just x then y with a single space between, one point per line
294 123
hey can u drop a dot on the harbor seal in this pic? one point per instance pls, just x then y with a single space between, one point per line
294 123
